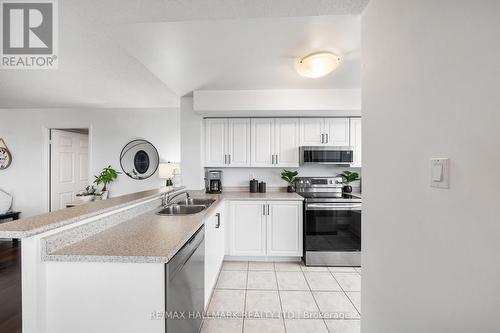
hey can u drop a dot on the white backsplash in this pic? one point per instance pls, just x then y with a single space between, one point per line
272 176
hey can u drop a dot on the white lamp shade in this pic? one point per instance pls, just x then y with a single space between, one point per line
318 64
166 170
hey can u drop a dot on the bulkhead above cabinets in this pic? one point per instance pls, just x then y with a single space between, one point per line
275 142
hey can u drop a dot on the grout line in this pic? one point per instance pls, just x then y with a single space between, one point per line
245 301
282 315
316 302
345 293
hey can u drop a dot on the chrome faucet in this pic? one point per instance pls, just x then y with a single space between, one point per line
167 198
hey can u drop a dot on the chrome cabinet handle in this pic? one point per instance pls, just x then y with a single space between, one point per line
229 159
225 159
264 209
272 159
326 135
322 138
268 209
218 220
277 160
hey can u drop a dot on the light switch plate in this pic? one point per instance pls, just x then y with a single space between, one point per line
440 172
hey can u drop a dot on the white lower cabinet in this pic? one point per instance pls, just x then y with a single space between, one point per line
214 250
265 228
247 234
284 228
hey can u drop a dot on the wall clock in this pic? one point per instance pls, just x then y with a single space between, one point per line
5 155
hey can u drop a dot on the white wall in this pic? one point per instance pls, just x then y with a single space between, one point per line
24 131
272 176
192 145
430 89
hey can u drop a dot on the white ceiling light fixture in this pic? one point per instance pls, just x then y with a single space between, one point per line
318 64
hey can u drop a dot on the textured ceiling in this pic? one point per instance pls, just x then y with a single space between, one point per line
101 67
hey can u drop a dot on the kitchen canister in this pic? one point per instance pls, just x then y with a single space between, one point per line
254 186
262 187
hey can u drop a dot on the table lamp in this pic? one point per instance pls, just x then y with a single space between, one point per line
166 171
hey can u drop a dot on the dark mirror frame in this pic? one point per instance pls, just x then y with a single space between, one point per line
145 142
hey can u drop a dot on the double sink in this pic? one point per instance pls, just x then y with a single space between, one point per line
186 207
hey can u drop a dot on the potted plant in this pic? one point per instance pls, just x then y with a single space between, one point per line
289 177
87 195
349 177
107 176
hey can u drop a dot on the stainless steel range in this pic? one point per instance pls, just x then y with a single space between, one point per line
332 223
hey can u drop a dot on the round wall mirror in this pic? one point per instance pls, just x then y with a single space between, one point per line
139 159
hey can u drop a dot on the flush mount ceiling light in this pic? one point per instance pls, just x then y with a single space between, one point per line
318 64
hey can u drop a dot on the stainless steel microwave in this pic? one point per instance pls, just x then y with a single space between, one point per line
326 155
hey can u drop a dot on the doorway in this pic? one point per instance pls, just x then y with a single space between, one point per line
68 165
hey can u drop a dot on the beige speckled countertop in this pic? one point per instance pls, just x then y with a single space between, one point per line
41 223
150 238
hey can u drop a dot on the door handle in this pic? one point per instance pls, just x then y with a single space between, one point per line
277 160
218 220
225 159
326 135
272 159
322 138
264 209
229 159
268 209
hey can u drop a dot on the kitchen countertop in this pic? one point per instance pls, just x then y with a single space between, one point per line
45 222
151 238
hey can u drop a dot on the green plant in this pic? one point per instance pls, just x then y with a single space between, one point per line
289 176
349 177
106 176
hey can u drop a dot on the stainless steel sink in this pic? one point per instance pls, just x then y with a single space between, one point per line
181 210
196 202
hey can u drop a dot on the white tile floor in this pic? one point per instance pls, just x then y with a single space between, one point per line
263 297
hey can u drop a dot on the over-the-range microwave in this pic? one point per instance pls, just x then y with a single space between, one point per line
326 155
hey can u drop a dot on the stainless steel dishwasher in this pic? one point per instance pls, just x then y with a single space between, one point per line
185 286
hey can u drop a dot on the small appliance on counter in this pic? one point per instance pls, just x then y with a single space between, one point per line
213 181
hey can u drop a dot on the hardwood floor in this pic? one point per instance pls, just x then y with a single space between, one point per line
10 287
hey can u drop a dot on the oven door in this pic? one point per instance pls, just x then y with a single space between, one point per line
333 227
326 155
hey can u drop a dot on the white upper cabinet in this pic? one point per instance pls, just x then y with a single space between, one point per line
227 142
324 131
312 131
284 228
337 131
262 142
275 142
239 142
215 142
355 140
286 142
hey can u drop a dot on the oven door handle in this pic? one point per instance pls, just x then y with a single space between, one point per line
333 207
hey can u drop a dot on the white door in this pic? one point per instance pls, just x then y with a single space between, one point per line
284 228
337 131
262 142
69 167
215 142
239 142
286 142
356 141
247 228
312 131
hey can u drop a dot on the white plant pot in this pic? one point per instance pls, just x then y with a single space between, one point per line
104 195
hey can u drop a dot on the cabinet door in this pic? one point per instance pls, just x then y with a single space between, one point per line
247 228
337 130
286 142
238 142
356 141
311 131
262 142
284 228
215 142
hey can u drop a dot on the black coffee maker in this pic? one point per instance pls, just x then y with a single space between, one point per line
213 181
